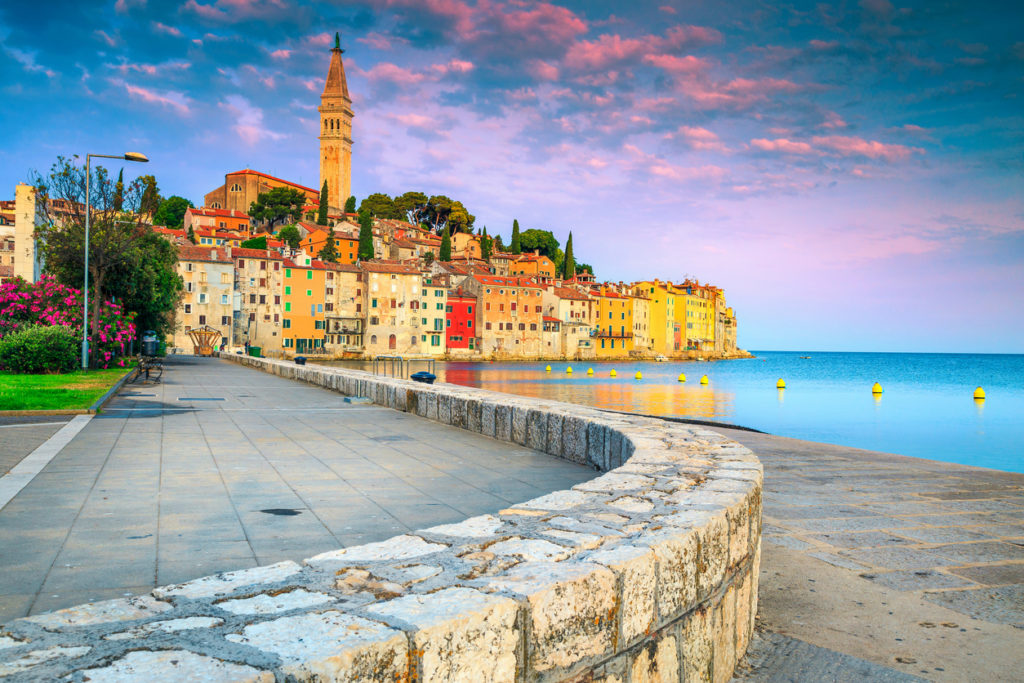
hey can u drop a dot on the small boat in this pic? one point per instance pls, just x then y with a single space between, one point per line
661 359
804 357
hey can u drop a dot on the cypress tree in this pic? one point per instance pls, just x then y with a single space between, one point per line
191 235
446 247
365 236
321 214
485 246
515 247
350 204
568 261
329 252
119 191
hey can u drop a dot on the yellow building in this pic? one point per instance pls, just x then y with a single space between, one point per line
303 326
699 307
613 323
433 316
208 299
665 329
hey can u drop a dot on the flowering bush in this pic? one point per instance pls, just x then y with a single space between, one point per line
48 303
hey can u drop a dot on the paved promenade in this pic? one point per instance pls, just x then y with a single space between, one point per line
20 435
884 568
221 467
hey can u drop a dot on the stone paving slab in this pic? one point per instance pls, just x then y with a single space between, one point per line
159 490
19 436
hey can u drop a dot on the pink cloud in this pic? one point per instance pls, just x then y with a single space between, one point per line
667 9
168 30
414 120
611 49
320 40
833 120
106 38
854 146
699 138
678 65
281 54
174 100
457 66
824 44
535 23
392 73
542 70
230 11
379 41
122 6
248 120
782 145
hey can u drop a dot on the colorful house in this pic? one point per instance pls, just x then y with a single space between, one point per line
460 321
613 323
303 323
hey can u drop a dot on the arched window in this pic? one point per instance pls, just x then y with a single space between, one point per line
392 342
373 339
236 188
414 340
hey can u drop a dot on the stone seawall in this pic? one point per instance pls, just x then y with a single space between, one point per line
646 573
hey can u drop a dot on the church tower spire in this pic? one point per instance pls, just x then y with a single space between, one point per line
336 131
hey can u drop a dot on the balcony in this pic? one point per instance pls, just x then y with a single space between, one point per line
611 335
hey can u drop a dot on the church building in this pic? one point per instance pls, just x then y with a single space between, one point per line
241 188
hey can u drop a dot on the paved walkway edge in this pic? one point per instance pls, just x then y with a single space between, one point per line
25 471
102 400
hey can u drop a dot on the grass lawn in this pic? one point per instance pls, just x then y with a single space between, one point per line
71 391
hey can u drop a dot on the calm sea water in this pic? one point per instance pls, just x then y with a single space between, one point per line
926 410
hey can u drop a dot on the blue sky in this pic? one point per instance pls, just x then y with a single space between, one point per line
850 173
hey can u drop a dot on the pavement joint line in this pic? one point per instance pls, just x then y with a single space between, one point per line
32 424
241 410
25 471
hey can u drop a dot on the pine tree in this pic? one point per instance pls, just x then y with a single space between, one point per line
329 252
515 247
350 204
446 246
485 246
321 214
191 235
568 261
365 236
119 191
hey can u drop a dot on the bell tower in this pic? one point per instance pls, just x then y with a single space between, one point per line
336 132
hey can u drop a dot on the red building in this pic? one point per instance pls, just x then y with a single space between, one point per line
460 323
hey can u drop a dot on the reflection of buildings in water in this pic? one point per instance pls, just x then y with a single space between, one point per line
624 394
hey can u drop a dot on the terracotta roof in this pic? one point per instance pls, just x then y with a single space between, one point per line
239 252
249 171
343 267
404 244
203 253
218 213
569 293
549 319
506 281
381 266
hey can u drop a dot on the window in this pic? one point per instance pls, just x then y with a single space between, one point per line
309 273
202 320
236 188
319 308
522 327
188 308
501 307
487 326
435 340
538 309
263 298
286 323
252 298
263 265
277 266
440 307
241 263
469 309
276 317
373 303
533 326
287 272
263 282
469 323
287 307
319 324
287 290
487 306
359 308
447 309
277 299
225 320
202 298
309 292
252 317
188 267
188 285
394 304
513 305
449 323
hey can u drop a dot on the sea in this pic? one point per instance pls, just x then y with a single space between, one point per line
926 409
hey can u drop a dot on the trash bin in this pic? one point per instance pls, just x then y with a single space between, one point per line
255 351
300 360
150 344
423 376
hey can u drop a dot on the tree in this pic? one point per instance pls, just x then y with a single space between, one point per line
365 236
459 219
276 205
329 252
498 245
540 240
584 268
290 235
119 191
486 245
127 260
516 247
412 206
446 247
255 243
191 235
568 262
321 214
171 212
350 204
150 200
380 205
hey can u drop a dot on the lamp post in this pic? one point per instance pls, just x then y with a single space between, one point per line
128 156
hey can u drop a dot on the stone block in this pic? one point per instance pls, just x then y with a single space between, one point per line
531 549
431 406
121 609
166 626
616 449
395 548
596 454
561 500
459 417
519 417
474 419
331 646
273 603
637 569
482 526
739 533
744 618
712 555
571 621
175 665
35 657
616 482
461 634
412 401
444 408
537 430
228 582
502 423
678 556
656 660
554 434
398 399
697 647
574 439
488 417
723 633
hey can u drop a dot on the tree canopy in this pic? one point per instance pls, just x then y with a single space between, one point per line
380 205
350 204
542 240
486 246
171 212
365 236
255 243
329 252
446 247
321 214
277 204
290 235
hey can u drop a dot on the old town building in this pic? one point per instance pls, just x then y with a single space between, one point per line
209 297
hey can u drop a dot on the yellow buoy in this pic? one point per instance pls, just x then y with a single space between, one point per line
547 368
590 371
613 373
704 379
568 370
682 377
876 389
979 393
639 375
781 384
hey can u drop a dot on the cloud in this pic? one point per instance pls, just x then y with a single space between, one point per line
414 120
168 98
160 27
854 146
392 73
782 145
281 54
698 138
611 49
678 65
248 120
379 41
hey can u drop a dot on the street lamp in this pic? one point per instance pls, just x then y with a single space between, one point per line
128 156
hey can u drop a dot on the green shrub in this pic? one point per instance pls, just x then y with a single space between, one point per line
40 349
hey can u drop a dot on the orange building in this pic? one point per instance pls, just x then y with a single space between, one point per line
241 188
347 244
534 265
216 219
303 324
509 315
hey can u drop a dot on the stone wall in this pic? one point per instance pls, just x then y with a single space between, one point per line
646 573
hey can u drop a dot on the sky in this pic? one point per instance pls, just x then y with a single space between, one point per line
851 173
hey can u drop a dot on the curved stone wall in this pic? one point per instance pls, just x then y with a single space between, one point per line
647 572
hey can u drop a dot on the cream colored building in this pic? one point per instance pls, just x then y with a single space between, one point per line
343 309
575 312
258 282
208 299
391 300
27 264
